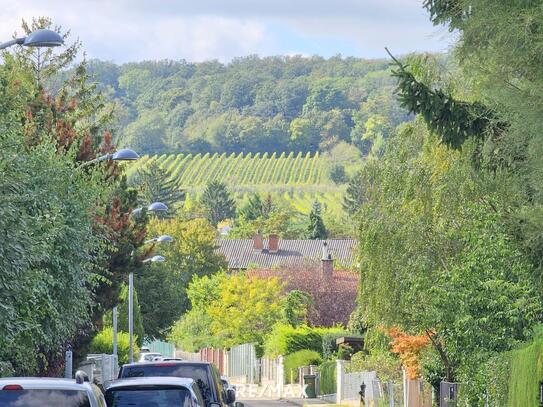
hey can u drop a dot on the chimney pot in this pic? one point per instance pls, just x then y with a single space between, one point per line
258 242
273 243
327 261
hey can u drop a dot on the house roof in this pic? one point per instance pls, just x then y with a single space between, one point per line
240 254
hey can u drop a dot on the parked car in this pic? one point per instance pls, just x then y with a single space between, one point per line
153 392
49 392
204 374
148 356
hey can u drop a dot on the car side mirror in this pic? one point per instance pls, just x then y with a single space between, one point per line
230 396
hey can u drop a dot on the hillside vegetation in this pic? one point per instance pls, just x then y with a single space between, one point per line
297 179
252 104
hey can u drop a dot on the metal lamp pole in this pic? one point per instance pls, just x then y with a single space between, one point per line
131 304
154 207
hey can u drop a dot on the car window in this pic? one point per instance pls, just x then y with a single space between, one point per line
196 372
148 397
43 398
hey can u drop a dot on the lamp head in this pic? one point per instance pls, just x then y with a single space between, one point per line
164 238
43 38
157 207
125 154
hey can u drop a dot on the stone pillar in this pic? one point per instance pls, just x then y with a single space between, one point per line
340 373
280 379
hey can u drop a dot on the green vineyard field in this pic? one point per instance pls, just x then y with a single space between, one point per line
296 178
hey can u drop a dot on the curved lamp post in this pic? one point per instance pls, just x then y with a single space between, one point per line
154 259
124 154
39 38
160 239
154 207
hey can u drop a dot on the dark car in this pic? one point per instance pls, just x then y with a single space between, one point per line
204 374
153 392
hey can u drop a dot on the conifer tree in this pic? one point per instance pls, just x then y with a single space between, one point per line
316 228
155 184
218 202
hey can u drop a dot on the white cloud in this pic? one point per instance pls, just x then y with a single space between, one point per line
128 30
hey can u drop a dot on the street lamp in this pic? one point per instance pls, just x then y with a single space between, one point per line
124 154
154 207
154 259
160 239
38 38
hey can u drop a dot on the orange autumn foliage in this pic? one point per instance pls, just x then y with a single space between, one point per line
408 348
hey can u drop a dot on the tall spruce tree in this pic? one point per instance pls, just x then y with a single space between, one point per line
316 229
155 184
218 202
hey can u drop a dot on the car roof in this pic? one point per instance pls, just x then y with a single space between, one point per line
168 363
45 383
150 381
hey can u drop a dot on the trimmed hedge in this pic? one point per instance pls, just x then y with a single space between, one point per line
525 374
328 377
103 343
285 339
298 359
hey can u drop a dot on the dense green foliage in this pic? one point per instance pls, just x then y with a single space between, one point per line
154 184
316 229
450 216
285 339
525 375
298 359
328 380
273 104
236 309
217 202
122 315
103 343
66 234
162 287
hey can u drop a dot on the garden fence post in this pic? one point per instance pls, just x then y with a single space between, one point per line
340 373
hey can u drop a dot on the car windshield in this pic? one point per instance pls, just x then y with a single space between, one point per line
148 397
43 398
197 373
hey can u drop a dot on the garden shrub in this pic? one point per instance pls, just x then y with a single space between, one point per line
525 374
327 372
292 362
103 343
329 336
387 366
285 339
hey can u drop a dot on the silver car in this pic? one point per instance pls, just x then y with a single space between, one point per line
160 391
49 392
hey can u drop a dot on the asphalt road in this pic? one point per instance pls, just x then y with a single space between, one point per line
267 403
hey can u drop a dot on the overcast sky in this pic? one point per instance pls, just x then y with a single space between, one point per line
197 30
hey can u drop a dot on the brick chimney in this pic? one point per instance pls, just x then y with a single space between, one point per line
327 261
258 241
273 243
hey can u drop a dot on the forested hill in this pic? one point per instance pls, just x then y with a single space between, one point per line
252 104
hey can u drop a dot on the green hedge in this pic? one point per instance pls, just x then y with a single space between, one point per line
328 377
525 374
103 343
285 339
297 359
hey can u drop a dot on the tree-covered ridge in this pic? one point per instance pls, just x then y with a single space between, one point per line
252 104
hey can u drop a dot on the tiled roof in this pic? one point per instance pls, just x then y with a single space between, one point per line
240 254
